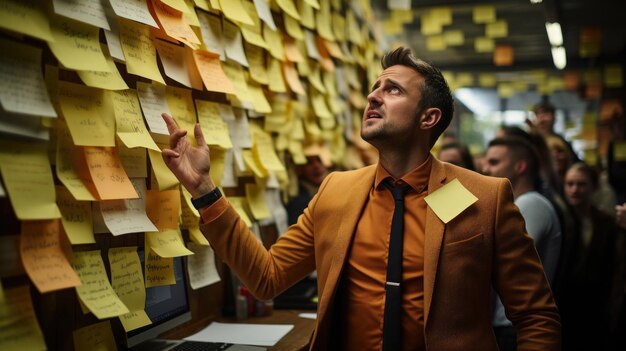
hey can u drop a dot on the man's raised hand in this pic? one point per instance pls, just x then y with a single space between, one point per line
190 164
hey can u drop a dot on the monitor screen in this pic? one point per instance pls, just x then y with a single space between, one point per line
167 306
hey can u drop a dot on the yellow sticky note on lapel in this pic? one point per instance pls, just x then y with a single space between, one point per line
450 200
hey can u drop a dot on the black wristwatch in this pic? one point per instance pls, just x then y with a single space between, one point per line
207 199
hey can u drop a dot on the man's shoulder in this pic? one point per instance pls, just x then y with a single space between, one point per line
470 178
353 174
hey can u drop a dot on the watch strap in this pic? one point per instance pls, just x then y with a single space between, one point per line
207 199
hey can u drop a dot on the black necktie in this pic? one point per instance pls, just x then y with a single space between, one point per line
392 323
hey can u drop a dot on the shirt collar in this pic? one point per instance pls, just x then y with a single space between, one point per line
417 178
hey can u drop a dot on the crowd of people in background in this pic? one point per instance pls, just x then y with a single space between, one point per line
575 212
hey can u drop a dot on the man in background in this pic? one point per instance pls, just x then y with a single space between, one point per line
310 177
516 159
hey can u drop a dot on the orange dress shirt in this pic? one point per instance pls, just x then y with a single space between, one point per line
362 295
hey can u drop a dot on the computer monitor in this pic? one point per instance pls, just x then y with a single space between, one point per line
167 306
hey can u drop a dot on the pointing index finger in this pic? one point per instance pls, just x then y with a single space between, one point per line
170 122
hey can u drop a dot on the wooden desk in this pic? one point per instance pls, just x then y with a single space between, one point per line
296 339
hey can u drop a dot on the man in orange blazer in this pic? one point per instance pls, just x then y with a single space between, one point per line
448 266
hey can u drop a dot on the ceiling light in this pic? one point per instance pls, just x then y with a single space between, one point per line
559 57
536 1
554 33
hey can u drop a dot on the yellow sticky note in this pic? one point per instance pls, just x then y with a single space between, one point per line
67 174
189 216
236 75
256 199
274 42
315 79
28 179
178 5
238 204
107 174
111 80
260 103
98 336
324 28
619 151
487 80
263 151
484 44
214 128
484 14
436 43
43 248
430 24
252 32
218 157
76 45
454 37
77 219
158 270
134 161
450 200
256 60
20 329
320 107
234 10
277 82
212 73
87 117
164 177
289 8
180 103
168 243
613 76
253 164
96 291
129 123
497 29
163 208
197 237
307 16
291 75
292 26
139 51
127 281
15 13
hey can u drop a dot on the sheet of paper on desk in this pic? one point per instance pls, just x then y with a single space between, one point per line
240 333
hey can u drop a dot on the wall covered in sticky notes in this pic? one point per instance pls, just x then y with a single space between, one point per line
82 86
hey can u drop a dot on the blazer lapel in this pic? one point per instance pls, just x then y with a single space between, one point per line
434 228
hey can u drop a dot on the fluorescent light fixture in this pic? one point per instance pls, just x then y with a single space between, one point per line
554 33
536 1
559 57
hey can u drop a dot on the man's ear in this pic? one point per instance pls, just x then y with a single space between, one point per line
521 166
429 118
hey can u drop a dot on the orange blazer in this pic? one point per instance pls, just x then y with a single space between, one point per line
485 246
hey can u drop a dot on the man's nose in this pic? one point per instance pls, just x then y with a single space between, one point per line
373 98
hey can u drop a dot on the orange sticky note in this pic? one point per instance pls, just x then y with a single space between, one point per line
163 208
173 23
107 174
291 75
43 249
212 73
